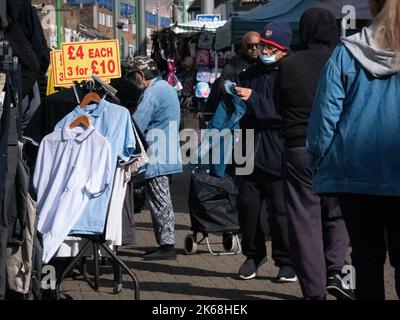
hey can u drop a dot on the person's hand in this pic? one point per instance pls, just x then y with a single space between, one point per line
244 93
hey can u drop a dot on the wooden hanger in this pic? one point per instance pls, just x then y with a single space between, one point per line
90 97
81 120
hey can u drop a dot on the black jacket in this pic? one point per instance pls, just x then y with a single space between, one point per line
231 71
299 74
235 67
26 37
262 116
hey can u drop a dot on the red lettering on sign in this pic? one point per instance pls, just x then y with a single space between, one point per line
100 53
111 66
79 53
70 53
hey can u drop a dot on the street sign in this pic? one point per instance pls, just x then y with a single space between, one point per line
208 17
82 59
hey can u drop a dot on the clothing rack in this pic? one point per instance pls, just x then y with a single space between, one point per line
107 88
97 242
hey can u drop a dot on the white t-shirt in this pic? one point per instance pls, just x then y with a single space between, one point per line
73 165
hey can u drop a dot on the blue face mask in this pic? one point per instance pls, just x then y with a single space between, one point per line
268 59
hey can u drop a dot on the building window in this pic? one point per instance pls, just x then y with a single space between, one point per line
109 21
102 18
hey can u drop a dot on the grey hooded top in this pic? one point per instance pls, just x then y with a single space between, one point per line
378 62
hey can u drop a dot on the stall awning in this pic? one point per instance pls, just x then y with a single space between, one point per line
283 10
196 26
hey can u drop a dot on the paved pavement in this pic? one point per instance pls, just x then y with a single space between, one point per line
199 276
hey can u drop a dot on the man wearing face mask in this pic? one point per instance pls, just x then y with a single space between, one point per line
264 185
158 112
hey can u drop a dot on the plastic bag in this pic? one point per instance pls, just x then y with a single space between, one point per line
172 79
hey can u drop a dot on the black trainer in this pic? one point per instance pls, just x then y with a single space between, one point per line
162 253
250 267
336 287
322 297
286 274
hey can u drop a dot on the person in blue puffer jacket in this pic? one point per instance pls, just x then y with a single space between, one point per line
353 141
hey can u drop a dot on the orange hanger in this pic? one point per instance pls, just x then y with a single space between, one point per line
89 97
81 120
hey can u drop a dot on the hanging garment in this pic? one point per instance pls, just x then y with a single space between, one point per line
17 208
215 74
203 74
26 37
8 169
113 229
225 119
172 78
115 124
19 258
4 129
221 59
73 166
114 217
51 111
121 208
202 90
202 58
128 216
2 94
30 103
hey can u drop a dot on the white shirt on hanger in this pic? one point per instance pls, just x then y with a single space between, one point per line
114 216
72 166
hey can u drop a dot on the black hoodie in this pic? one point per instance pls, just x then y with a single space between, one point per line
298 76
27 40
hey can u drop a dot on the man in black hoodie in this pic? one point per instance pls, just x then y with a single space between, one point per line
264 185
317 233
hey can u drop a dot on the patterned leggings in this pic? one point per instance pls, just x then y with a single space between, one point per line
161 210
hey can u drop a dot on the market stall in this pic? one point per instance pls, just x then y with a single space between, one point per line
187 50
288 11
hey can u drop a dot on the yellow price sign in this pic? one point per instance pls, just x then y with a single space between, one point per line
58 69
82 59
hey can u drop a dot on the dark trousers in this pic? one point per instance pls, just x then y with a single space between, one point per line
318 238
374 227
254 191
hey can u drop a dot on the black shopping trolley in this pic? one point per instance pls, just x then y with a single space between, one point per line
213 209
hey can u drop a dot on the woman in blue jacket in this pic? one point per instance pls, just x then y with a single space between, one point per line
353 140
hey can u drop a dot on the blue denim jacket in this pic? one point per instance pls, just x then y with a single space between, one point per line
225 119
353 134
158 117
